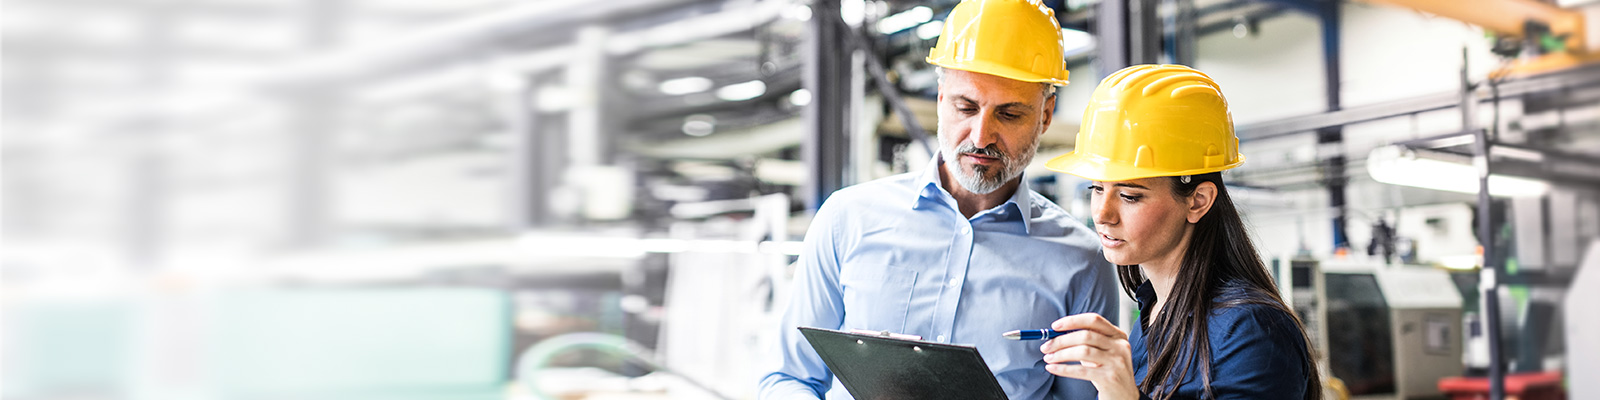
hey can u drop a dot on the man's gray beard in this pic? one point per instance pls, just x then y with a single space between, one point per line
976 182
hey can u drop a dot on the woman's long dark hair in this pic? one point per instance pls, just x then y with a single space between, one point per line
1220 253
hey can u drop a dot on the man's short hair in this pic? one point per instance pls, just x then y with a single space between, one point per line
1046 89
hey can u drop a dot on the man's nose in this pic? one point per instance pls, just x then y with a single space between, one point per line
985 131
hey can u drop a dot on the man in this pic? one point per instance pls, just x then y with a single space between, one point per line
962 251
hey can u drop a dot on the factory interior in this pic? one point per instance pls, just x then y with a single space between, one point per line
570 199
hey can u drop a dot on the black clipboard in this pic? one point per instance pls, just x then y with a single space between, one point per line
875 367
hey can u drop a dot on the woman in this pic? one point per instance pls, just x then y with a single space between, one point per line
1154 140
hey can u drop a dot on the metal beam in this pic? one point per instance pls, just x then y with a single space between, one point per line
1181 32
1573 79
891 93
826 77
1332 137
1128 32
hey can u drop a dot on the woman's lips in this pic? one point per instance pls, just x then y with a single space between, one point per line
1110 242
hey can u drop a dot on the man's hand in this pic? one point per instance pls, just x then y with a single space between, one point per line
1101 350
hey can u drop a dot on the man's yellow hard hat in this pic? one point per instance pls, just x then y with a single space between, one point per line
1017 39
1153 120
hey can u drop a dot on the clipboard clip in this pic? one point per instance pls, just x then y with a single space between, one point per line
886 334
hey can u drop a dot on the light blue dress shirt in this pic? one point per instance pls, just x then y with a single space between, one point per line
896 254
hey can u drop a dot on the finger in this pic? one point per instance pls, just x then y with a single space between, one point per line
1079 338
1074 353
1070 371
1089 321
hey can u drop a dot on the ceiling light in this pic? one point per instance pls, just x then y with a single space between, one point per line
798 13
1074 42
853 12
905 20
742 91
699 125
930 30
685 85
1397 165
800 98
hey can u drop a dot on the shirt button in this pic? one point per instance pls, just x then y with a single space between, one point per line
966 230
941 338
953 282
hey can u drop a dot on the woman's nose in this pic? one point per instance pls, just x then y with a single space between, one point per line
1103 210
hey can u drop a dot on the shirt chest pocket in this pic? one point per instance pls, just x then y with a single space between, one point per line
877 297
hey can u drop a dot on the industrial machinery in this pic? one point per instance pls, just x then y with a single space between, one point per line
1582 327
1385 330
1546 37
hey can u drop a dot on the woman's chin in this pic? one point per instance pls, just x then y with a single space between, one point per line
1118 258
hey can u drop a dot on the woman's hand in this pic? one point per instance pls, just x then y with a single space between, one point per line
1101 350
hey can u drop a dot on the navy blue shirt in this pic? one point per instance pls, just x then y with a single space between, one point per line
1257 352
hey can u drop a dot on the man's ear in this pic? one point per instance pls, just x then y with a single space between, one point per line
1049 113
1200 202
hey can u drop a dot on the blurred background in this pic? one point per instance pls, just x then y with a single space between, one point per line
563 199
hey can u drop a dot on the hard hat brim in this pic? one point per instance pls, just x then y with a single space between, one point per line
1003 71
1099 170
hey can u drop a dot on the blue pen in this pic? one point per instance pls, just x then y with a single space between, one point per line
1036 334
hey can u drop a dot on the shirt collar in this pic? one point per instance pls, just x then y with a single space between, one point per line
1145 294
932 189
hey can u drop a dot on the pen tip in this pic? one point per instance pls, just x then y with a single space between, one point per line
1013 335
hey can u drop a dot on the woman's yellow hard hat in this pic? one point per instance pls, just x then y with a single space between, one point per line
1153 120
1017 39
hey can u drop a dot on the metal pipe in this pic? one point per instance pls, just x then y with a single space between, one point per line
1490 273
881 78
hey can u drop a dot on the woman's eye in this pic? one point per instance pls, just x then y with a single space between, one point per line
1096 189
1131 198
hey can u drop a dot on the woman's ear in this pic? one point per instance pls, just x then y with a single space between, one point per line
1200 202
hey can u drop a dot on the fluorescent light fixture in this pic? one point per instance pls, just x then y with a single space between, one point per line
698 125
930 30
905 20
800 98
742 91
685 85
853 12
1397 165
798 13
1074 42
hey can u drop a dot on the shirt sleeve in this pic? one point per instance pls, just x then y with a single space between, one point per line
1261 357
1094 292
796 372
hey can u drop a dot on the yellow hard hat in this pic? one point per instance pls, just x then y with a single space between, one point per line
1017 39
1153 120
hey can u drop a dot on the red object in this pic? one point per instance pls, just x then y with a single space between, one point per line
1523 386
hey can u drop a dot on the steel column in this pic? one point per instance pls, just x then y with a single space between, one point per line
826 76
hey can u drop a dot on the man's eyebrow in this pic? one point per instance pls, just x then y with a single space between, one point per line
1014 104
